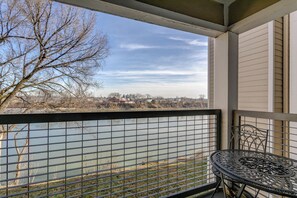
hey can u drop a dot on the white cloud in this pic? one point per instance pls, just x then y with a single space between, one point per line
198 43
177 39
151 72
137 46
167 82
180 89
198 56
195 42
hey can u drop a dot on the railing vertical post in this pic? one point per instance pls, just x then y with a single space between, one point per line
218 135
219 130
236 121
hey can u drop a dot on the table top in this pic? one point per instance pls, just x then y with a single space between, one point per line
268 172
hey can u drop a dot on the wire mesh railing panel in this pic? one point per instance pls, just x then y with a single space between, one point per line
282 132
121 154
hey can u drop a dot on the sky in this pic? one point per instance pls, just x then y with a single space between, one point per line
150 59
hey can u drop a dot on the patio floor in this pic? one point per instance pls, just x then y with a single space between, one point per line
217 195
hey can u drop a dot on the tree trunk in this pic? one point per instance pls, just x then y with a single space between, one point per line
18 171
10 97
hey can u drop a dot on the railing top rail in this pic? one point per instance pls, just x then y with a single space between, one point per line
64 117
267 115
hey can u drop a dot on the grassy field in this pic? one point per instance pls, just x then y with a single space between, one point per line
148 180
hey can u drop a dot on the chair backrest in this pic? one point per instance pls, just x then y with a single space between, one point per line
249 137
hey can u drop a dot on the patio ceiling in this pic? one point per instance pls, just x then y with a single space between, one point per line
222 12
207 17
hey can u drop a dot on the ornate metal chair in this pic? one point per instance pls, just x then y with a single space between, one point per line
243 137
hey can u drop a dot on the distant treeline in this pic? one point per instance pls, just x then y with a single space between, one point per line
71 104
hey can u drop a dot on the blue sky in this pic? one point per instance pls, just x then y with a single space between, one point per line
150 59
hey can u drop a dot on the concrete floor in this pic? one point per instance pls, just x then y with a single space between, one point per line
220 194
217 195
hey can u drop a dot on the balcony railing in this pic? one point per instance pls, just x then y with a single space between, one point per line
112 154
282 131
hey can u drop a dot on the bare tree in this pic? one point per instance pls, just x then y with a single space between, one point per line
46 47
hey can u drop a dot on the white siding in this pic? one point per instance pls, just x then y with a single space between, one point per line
293 81
253 69
253 82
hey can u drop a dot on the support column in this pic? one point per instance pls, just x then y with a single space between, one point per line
293 63
293 81
210 72
226 80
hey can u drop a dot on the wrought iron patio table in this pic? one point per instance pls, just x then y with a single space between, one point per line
264 171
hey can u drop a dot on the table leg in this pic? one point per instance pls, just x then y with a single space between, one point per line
239 193
224 188
217 187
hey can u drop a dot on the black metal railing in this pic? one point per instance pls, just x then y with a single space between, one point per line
110 154
282 131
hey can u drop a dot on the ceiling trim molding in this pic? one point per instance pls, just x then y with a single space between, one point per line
143 12
151 14
270 13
